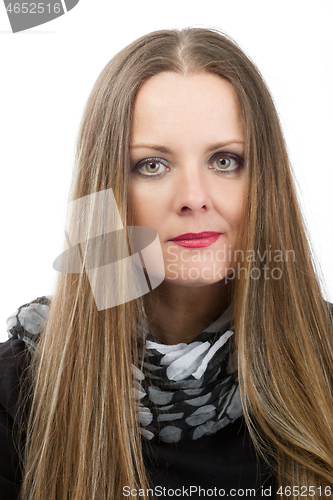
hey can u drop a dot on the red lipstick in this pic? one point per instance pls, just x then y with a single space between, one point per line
196 240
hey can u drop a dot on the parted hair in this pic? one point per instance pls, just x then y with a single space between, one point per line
83 440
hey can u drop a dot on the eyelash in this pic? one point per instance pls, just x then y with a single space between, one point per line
216 156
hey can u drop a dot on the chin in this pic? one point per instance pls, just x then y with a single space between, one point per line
196 276
189 283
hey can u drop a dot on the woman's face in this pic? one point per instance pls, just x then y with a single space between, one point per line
188 179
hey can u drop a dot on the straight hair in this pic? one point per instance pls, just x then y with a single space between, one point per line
83 439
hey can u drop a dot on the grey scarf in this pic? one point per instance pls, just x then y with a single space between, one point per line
183 391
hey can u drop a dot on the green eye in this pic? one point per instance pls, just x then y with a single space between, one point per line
226 163
152 166
223 162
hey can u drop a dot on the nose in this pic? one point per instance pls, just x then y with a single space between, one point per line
192 192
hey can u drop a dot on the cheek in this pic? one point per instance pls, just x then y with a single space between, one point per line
232 206
146 205
238 212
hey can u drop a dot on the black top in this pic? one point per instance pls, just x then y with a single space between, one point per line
221 464
13 360
225 460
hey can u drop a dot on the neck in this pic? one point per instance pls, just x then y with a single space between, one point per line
179 314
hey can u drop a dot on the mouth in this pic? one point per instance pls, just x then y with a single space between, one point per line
196 240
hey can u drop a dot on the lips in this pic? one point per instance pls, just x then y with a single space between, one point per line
196 240
194 236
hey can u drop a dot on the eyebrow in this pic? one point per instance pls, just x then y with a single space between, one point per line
163 149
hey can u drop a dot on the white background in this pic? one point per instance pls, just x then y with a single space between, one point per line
47 73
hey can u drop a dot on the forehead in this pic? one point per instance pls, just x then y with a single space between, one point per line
169 105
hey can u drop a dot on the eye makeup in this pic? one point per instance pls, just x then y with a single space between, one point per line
150 167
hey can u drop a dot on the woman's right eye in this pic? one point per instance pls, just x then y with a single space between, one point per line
150 167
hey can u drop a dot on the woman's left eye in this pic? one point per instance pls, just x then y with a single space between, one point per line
226 162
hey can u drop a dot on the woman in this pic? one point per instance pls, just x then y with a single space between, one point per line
233 351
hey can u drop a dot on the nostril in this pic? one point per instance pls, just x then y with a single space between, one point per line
184 208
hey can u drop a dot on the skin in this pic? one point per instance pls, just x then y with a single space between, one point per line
188 125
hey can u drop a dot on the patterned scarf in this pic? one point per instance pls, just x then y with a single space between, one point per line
182 391
185 391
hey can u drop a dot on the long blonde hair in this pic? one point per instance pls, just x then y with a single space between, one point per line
83 440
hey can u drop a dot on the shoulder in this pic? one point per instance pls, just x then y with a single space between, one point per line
23 328
27 322
14 358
